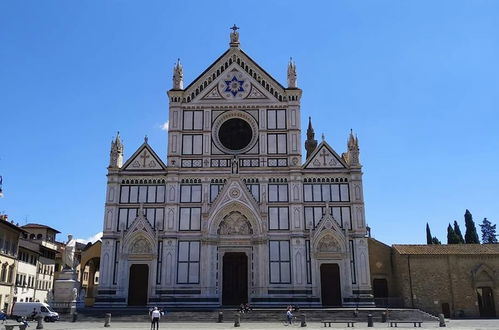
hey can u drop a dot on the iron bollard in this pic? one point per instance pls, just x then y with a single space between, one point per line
303 320
75 317
441 320
383 317
220 317
237 320
107 320
39 320
369 320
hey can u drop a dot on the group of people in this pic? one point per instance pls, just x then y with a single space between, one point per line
245 308
156 315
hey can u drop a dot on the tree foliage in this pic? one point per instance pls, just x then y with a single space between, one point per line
471 236
428 234
435 240
488 232
458 232
452 237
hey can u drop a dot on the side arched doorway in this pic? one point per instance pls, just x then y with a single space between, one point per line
138 285
330 285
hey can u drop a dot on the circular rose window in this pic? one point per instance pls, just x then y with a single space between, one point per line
235 132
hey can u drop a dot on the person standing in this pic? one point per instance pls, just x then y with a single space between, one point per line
289 315
155 316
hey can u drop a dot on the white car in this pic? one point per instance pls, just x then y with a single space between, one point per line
32 309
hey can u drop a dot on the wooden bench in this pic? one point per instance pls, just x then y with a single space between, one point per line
329 322
11 326
394 323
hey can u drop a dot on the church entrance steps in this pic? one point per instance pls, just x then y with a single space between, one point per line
139 314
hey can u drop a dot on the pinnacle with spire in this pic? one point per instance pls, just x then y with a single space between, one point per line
234 36
116 154
178 75
310 143
292 74
352 155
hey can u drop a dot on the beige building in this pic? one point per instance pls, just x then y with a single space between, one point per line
37 263
9 242
458 280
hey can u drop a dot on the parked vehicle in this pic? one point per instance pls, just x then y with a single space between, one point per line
30 310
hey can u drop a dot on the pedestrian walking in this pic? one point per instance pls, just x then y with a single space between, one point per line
155 316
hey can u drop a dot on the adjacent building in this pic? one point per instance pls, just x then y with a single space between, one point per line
457 280
9 242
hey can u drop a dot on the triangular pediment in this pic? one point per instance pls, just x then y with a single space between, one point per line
324 157
234 77
234 190
328 237
144 159
140 237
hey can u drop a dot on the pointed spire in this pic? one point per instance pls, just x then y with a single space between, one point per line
234 36
116 154
178 75
292 74
310 143
352 155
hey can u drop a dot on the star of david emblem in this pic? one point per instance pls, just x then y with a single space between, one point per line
234 86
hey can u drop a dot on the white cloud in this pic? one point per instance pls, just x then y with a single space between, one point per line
91 239
165 126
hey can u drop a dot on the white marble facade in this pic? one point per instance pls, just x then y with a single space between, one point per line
236 213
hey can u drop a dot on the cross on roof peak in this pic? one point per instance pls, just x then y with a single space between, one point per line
234 28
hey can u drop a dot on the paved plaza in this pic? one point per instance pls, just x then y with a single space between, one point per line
451 324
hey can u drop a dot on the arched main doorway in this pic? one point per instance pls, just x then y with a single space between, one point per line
330 285
138 285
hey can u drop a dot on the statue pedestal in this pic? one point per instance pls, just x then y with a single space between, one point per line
64 291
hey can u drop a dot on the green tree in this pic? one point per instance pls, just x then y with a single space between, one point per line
452 237
458 232
429 238
488 232
471 237
435 240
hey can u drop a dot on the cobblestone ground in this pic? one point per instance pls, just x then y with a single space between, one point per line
451 324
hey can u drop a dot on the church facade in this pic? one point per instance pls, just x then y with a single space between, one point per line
235 214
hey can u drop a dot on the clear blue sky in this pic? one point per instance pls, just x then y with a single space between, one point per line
417 80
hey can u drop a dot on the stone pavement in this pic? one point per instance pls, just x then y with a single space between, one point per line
451 324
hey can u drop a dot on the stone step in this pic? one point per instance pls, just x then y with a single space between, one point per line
260 315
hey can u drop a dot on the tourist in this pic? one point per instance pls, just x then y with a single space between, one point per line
289 315
155 316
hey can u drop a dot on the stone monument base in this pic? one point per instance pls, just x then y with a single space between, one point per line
64 291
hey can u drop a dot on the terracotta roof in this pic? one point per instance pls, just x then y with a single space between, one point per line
435 249
37 225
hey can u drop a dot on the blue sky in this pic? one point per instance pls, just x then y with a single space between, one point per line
418 81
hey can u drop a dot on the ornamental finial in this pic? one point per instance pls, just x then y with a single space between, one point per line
234 36
291 73
178 75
